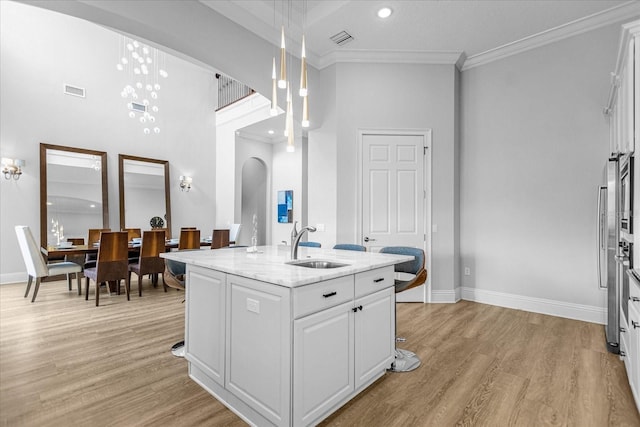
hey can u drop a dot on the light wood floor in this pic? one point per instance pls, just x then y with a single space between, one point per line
65 362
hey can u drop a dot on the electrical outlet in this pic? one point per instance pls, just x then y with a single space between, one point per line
467 271
253 305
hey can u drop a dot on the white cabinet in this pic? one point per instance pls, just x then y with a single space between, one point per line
323 362
205 305
624 101
631 340
258 359
341 349
374 335
288 356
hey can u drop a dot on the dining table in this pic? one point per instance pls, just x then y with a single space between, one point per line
52 252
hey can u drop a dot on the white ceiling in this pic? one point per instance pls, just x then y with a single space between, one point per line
476 29
469 26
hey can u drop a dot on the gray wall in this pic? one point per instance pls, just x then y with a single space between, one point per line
402 96
534 142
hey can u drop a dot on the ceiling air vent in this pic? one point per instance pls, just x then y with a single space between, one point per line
141 108
341 38
74 90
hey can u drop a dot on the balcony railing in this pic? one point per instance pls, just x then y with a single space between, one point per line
230 91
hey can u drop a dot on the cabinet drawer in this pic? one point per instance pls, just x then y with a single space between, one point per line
634 293
374 280
318 296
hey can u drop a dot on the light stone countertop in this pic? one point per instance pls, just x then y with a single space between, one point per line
269 263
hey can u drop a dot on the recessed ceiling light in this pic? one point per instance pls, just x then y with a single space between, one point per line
271 132
384 12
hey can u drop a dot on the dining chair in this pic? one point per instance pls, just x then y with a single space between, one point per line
189 239
133 233
77 258
94 235
36 266
406 360
310 244
174 277
219 239
149 261
350 247
112 263
92 239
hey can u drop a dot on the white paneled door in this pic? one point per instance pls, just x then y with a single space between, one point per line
395 195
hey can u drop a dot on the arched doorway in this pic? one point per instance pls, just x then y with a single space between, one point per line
253 201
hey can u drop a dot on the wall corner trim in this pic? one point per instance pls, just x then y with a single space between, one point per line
624 12
446 297
585 313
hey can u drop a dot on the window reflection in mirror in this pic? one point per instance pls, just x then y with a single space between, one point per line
144 193
73 193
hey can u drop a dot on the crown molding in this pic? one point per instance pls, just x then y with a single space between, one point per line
624 12
391 57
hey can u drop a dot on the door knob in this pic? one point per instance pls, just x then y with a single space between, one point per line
366 239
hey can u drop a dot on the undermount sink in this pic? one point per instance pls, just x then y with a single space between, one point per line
316 263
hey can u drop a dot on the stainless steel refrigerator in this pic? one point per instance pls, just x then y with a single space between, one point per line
608 249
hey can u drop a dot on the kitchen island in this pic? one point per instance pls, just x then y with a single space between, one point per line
282 344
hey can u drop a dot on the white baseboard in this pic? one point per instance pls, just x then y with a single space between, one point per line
567 310
445 296
7 278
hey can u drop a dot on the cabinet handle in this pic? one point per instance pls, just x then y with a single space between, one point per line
330 294
635 324
378 280
623 330
354 309
635 299
622 353
360 307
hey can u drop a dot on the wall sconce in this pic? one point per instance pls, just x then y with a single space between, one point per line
185 183
12 168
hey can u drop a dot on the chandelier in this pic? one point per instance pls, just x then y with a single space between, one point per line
143 65
280 80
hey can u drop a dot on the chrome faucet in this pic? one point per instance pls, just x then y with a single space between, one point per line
296 236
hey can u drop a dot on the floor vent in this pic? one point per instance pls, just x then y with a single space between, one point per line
74 90
341 38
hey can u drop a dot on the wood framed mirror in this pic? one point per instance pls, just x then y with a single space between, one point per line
74 195
145 201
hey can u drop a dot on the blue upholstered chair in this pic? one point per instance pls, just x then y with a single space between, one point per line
407 360
310 244
350 247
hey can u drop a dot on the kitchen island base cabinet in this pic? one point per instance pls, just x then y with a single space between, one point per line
271 367
258 361
339 351
323 362
205 305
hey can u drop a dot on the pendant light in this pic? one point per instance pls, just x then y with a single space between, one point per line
274 92
289 124
303 71
282 83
